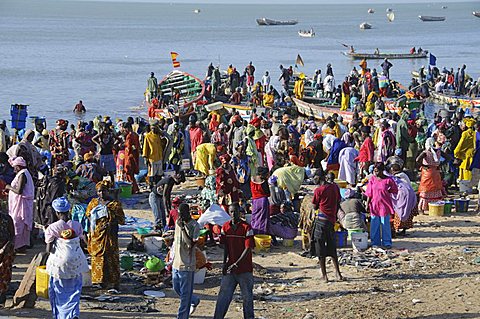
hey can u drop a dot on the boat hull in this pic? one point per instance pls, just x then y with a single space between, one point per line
191 90
431 19
371 56
476 13
461 101
266 21
321 112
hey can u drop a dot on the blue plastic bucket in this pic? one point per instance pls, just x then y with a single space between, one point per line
341 238
461 205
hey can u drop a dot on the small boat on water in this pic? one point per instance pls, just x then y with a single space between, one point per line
372 56
444 7
306 33
390 16
266 21
451 98
371 10
431 18
476 13
389 10
197 11
190 88
365 26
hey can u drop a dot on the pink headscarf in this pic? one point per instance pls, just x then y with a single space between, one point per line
17 161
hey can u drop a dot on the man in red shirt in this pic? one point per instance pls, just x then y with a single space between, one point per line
326 199
237 236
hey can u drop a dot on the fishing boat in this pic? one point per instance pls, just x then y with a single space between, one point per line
431 18
197 11
306 33
476 13
365 26
266 21
321 112
191 91
390 16
372 56
444 7
451 98
371 10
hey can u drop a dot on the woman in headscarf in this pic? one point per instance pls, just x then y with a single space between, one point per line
380 189
405 201
273 147
59 140
365 155
132 156
105 214
251 149
260 204
66 262
385 142
49 188
465 149
226 183
20 202
352 213
7 253
430 188
347 164
260 139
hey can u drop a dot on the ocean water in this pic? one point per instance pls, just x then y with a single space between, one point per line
54 53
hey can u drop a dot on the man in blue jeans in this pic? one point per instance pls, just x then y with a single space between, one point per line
237 236
184 262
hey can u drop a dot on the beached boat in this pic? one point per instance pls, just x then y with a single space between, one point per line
266 21
321 112
476 13
191 91
371 10
365 26
431 18
461 101
360 56
306 34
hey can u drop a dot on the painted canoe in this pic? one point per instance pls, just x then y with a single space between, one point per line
462 101
371 56
266 21
431 18
191 90
321 112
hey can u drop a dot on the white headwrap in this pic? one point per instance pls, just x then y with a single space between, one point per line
430 146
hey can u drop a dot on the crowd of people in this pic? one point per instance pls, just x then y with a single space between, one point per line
63 179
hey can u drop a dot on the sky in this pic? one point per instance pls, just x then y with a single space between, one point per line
289 1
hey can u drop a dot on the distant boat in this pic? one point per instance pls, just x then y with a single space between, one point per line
365 26
266 21
444 7
389 10
371 10
306 34
476 13
431 18
373 56
390 16
197 11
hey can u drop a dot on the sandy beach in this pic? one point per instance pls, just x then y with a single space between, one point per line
431 273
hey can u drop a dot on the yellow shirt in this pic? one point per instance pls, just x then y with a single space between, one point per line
153 147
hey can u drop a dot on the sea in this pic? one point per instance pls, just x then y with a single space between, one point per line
55 53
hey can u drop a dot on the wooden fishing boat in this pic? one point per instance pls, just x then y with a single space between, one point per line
476 13
431 18
307 34
321 112
191 91
461 101
371 56
365 26
267 21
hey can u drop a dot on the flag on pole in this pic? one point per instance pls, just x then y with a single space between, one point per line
299 60
174 55
433 60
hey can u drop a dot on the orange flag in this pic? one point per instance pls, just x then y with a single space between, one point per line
174 55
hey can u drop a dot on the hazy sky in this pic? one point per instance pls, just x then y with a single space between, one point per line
289 1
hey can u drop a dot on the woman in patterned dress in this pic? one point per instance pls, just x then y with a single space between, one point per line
7 253
105 215
430 188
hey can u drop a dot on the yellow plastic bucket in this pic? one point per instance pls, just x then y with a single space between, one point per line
41 282
262 242
436 209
